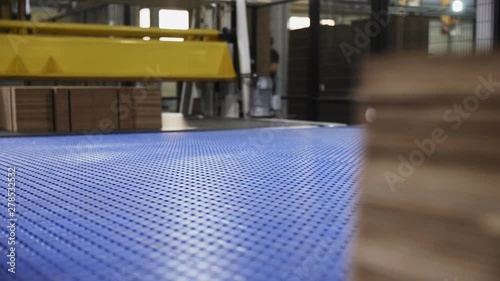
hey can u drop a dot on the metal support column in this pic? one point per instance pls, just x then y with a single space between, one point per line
279 30
230 108
379 9
253 40
189 89
314 58
496 17
244 54
21 9
127 20
206 89
155 17
127 15
115 14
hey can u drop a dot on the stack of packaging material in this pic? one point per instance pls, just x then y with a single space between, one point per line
93 109
79 109
140 108
24 109
430 203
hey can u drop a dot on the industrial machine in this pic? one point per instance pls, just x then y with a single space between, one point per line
247 204
31 51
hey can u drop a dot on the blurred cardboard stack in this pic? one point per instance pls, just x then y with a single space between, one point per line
430 203
79 109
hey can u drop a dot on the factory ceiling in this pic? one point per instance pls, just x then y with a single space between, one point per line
298 7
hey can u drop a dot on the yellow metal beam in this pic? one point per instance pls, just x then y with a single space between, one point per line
106 30
60 57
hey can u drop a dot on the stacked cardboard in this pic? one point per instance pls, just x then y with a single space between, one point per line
79 109
140 108
26 109
61 110
430 203
94 109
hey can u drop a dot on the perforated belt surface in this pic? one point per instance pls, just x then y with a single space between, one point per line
259 204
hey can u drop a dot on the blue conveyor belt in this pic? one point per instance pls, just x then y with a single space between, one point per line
260 204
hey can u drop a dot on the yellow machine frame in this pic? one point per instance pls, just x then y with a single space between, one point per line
86 51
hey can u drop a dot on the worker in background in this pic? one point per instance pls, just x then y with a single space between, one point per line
275 58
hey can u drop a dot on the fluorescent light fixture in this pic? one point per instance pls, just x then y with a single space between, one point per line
145 18
414 3
173 19
329 22
304 22
298 23
457 6
172 39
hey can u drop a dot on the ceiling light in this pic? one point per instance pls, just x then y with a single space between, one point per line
329 22
298 23
457 6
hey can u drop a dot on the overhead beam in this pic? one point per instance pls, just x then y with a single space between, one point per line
60 57
106 30
177 4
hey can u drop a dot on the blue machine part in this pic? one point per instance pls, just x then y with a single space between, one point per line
258 204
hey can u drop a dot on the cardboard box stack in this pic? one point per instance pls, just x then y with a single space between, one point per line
61 110
94 109
430 203
79 109
26 109
140 108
